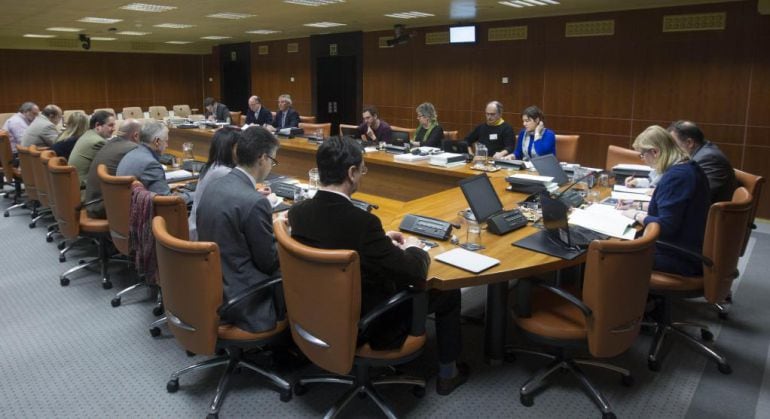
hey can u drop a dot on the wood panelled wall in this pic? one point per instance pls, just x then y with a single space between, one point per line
89 80
271 74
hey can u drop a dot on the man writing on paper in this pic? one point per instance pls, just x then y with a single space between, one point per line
389 261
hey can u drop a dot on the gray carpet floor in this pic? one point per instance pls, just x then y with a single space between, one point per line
65 352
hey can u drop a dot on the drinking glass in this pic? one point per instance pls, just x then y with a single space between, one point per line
187 151
313 181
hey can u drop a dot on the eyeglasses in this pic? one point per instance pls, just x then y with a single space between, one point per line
491 114
273 160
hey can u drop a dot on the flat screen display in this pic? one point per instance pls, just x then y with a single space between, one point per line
481 196
462 34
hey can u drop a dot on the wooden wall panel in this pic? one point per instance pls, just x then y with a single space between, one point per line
271 74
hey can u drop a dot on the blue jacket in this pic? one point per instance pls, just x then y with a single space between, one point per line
543 146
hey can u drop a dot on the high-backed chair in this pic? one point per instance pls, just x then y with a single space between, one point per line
25 165
45 156
109 110
235 118
312 128
753 184
41 184
66 114
349 130
450 135
606 319
402 135
182 111
192 297
619 155
310 119
567 148
73 220
133 112
725 227
323 303
158 112
11 174
4 117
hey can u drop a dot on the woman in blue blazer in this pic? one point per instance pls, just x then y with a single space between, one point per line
534 139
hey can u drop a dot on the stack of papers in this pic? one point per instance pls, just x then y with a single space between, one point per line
409 157
631 196
175 175
534 179
626 189
634 167
605 220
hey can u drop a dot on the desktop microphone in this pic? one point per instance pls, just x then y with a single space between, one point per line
572 185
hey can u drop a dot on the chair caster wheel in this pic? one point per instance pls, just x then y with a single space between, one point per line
32 225
64 282
707 335
725 368
300 389
527 400
186 351
155 332
6 214
61 246
418 391
212 416
48 239
107 284
157 310
722 316
608 415
627 380
653 365
62 259
115 302
286 395
172 386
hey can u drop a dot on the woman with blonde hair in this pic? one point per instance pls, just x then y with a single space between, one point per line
680 202
77 124
429 132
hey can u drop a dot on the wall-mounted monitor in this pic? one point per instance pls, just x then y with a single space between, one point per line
462 34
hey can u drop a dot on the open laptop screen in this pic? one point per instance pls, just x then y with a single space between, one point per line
548 166
481 196
555 217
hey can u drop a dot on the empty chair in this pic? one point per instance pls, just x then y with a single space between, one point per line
133 112
349 130
311 129
308 119
753 184
158 112
108 110
450 135
235 118
619 155
182 111
567 148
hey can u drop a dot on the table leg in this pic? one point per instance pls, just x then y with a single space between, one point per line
496 322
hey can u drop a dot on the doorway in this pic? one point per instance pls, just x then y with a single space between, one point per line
236 75
336 94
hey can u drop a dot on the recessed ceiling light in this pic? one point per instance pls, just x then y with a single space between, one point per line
409 15
313 3
60 29
528 3
132 33
324 24
35 35
263 32
215 37
511 4
178 42
173 25
144 7
99 20
102 38
228 15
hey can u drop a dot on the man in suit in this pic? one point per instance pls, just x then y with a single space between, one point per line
258 114
286 117
709 157
390 262
215 111
237 216
43 132
110 155
17 124
102 125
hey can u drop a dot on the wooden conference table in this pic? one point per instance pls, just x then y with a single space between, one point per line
418 188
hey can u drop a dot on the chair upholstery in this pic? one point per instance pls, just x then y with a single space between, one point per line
347 129
133 112
45 177
619 155
450 135
607 318
329 282
11 175
402 135
39 172
174 211
235 118
25 165
116 193
158 112
567 148
309 119
182 111
725 227
192 297
753 184
311 128
110 110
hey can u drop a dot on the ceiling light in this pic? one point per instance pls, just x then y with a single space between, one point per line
313 3
511 4
535 2
99 20
34 35
550 1
263 32
409 15
173 25
215 37
102 38
132 33
228 15
178 42
60 29
144 7
324 24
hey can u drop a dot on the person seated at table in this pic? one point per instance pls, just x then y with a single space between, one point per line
496 134
258 114
374 129
77 124
429 133
220 163
286 117
534 139
215 111
390 261
680 202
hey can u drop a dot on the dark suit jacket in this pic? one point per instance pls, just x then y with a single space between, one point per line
264 117
109 155
221 113
292 119
718 170
329 221
243 229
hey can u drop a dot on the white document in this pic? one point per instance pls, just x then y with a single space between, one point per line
371 149
627 166
533 178
408 157
626 189
467 260
284 131
625 196
178 174
605 220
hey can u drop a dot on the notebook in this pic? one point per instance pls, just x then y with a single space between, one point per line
467 260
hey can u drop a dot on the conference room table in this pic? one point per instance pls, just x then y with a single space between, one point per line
400 188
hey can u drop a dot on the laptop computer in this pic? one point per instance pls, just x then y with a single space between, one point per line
548 166
486 206
557 226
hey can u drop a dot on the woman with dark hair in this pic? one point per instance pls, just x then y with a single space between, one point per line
221 162
534 139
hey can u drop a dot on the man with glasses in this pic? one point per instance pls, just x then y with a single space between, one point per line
238 217
495 133
390 262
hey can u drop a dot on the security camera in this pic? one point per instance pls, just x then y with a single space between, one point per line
399 36
85 41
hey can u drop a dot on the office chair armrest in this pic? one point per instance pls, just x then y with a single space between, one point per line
247 293
686 252
85 204
567 296
392 302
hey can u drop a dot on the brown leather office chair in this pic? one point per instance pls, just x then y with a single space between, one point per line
73 220
158 112
30 185
41 185
402 135
619 155
309 119
349 130
11 175
182 111
311 128
725 226
235 118
753 184
192 296
606 319
133 112
45 178
450 135
328 282
567 148
109 110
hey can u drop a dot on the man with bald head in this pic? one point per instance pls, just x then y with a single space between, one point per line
43 131
17 124
110 155
495 133
258 114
